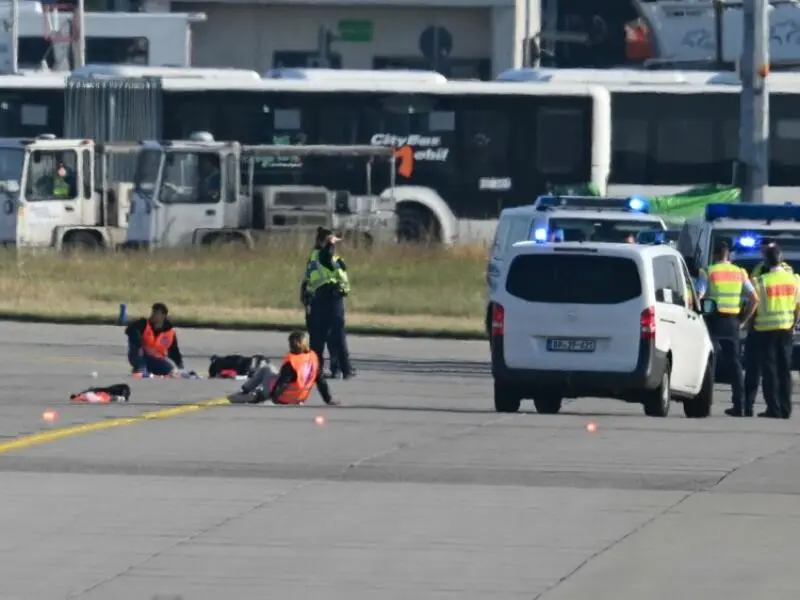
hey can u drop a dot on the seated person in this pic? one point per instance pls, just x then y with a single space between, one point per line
153 344
292 383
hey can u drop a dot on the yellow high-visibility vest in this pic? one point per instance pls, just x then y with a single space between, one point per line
725 283
777 294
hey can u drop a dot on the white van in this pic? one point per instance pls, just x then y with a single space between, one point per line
579 319
567 218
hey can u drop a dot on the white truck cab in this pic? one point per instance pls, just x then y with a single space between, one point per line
200 192
48 197
568 218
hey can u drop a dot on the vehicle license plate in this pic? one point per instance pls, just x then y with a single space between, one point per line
570 345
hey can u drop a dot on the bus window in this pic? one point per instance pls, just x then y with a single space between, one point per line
118 51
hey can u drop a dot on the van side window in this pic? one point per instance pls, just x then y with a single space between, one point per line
668 287
692 301
500 237
520 231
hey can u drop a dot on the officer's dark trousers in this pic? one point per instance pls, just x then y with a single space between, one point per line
775 351
327 326
752 369
724 330
331 351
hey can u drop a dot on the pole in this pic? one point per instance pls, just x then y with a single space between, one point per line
14 36
754 130
80 59
526 46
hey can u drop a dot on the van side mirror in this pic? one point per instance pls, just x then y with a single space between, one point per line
708 307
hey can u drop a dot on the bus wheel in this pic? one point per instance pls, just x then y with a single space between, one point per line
416 224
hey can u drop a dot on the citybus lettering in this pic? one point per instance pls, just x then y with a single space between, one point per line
411 148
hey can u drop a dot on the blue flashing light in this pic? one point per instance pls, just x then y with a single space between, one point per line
540 234
635 203
753 212
746 241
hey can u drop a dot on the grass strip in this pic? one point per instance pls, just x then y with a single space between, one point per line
397 290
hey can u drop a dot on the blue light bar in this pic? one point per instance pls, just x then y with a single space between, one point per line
747 242
753 212
540 234
637 203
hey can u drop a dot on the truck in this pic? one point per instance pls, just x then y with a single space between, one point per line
203 192
91 216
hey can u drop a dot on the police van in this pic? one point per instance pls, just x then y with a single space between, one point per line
588 319
568 219
743 227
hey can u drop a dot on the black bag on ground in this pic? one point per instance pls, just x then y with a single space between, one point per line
234 365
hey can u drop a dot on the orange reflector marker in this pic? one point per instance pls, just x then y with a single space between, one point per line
319 420
591 427
50 416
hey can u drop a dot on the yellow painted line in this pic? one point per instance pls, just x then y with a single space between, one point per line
35 439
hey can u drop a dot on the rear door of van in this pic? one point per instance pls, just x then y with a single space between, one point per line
571 308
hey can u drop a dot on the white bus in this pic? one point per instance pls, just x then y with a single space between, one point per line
466 150
111 38
672 130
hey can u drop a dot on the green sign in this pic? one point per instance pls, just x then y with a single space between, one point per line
355 30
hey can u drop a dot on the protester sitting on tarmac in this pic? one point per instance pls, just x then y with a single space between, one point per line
292 383
153 345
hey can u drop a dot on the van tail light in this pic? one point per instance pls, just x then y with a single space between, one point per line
498 319
648 323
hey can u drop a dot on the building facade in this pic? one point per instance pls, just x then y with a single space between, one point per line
464 39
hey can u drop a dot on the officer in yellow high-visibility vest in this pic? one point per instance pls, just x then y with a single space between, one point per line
779 307
327 285
752 358
728 286
323 236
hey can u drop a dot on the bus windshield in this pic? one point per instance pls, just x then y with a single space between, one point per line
605 230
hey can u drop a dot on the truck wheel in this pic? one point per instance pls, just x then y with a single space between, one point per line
82 241
416 224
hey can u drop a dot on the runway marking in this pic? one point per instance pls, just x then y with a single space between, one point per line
44 437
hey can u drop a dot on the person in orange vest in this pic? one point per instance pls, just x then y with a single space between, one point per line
153 344
292 382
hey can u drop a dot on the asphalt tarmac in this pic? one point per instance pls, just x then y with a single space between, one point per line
414 489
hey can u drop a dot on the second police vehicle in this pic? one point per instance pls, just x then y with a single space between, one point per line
743 227
568 219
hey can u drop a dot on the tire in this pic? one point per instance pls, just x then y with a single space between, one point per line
699 407
657 402
506 398
82 241
416 225
547 405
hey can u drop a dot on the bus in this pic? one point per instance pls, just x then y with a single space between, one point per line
465 150
674 130
111 38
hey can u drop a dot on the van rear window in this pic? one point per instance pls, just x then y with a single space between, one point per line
573 279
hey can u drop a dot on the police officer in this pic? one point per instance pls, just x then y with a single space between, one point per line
727 286
779 295
323 235
752 360
328 285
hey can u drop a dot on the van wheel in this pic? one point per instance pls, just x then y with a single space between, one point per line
506 398
699 407
547 405
656 402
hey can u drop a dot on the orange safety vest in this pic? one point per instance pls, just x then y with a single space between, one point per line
306 366
158 344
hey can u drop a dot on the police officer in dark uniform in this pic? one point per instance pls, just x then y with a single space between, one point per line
728 285
323 235
327 286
